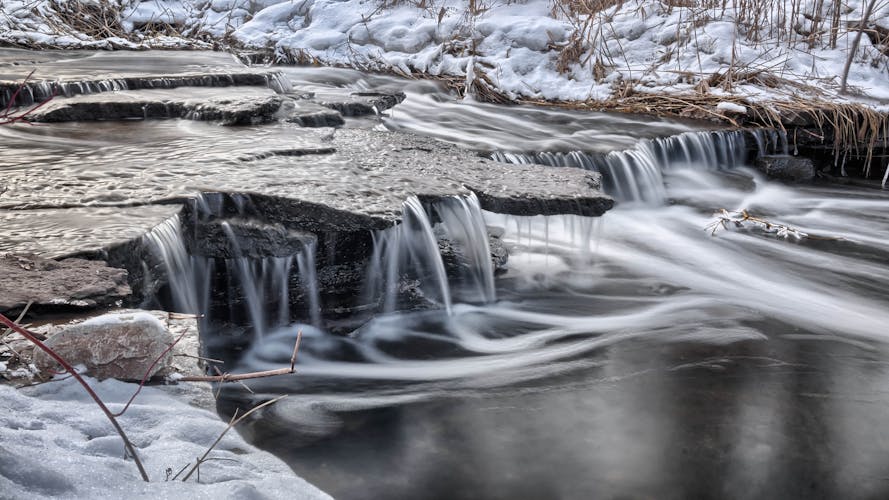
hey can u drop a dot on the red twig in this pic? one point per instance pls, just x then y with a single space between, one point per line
15 94
5 119
228 377
70 369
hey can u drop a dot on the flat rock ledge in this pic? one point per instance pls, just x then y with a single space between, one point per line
238 108
69 283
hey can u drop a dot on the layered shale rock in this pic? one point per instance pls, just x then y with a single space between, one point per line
70 283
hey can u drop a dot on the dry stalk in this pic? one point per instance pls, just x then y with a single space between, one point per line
235 420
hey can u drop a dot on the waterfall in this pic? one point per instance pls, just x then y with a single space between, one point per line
264 283
409 250
463 222
568 236
188 276
636 175
410 254
260 284
308 277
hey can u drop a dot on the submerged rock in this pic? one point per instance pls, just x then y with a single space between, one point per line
786 167
66 283
121 346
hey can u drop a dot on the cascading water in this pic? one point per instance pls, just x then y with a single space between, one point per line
35 92
308 277
636 175
408 250
410 254
264 284
258 285
463 222
188 276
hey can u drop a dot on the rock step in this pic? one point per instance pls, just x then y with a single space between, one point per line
66 73
237 106
34 92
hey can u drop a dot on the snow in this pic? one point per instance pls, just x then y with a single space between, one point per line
730 107
656 45
125 317
56 443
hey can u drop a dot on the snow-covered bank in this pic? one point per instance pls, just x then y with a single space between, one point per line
55 443
562 50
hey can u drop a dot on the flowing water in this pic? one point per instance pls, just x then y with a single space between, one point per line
639 355
636 355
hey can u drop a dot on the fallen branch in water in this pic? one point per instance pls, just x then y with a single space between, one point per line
229 377
739 219
131 450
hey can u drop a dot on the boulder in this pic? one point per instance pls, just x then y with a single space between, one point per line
786 167
70 282
121 346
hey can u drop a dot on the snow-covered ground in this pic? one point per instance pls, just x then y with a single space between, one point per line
759 49
56 443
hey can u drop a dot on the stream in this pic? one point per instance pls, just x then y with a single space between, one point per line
640 354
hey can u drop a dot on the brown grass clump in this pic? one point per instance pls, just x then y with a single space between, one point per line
95 20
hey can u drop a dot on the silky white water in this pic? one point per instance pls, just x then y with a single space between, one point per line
635 354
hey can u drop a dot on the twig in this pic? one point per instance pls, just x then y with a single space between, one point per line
201 358
855 43
70 369
229 377
148 373
235 420
738 219
19 320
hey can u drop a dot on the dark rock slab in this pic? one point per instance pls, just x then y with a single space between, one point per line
238 107
67 283
247 237
360 103
121 346
310 114
786 167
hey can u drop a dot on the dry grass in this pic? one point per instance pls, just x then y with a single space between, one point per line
95 20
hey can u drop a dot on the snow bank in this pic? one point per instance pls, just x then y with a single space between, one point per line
56 443
520 46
